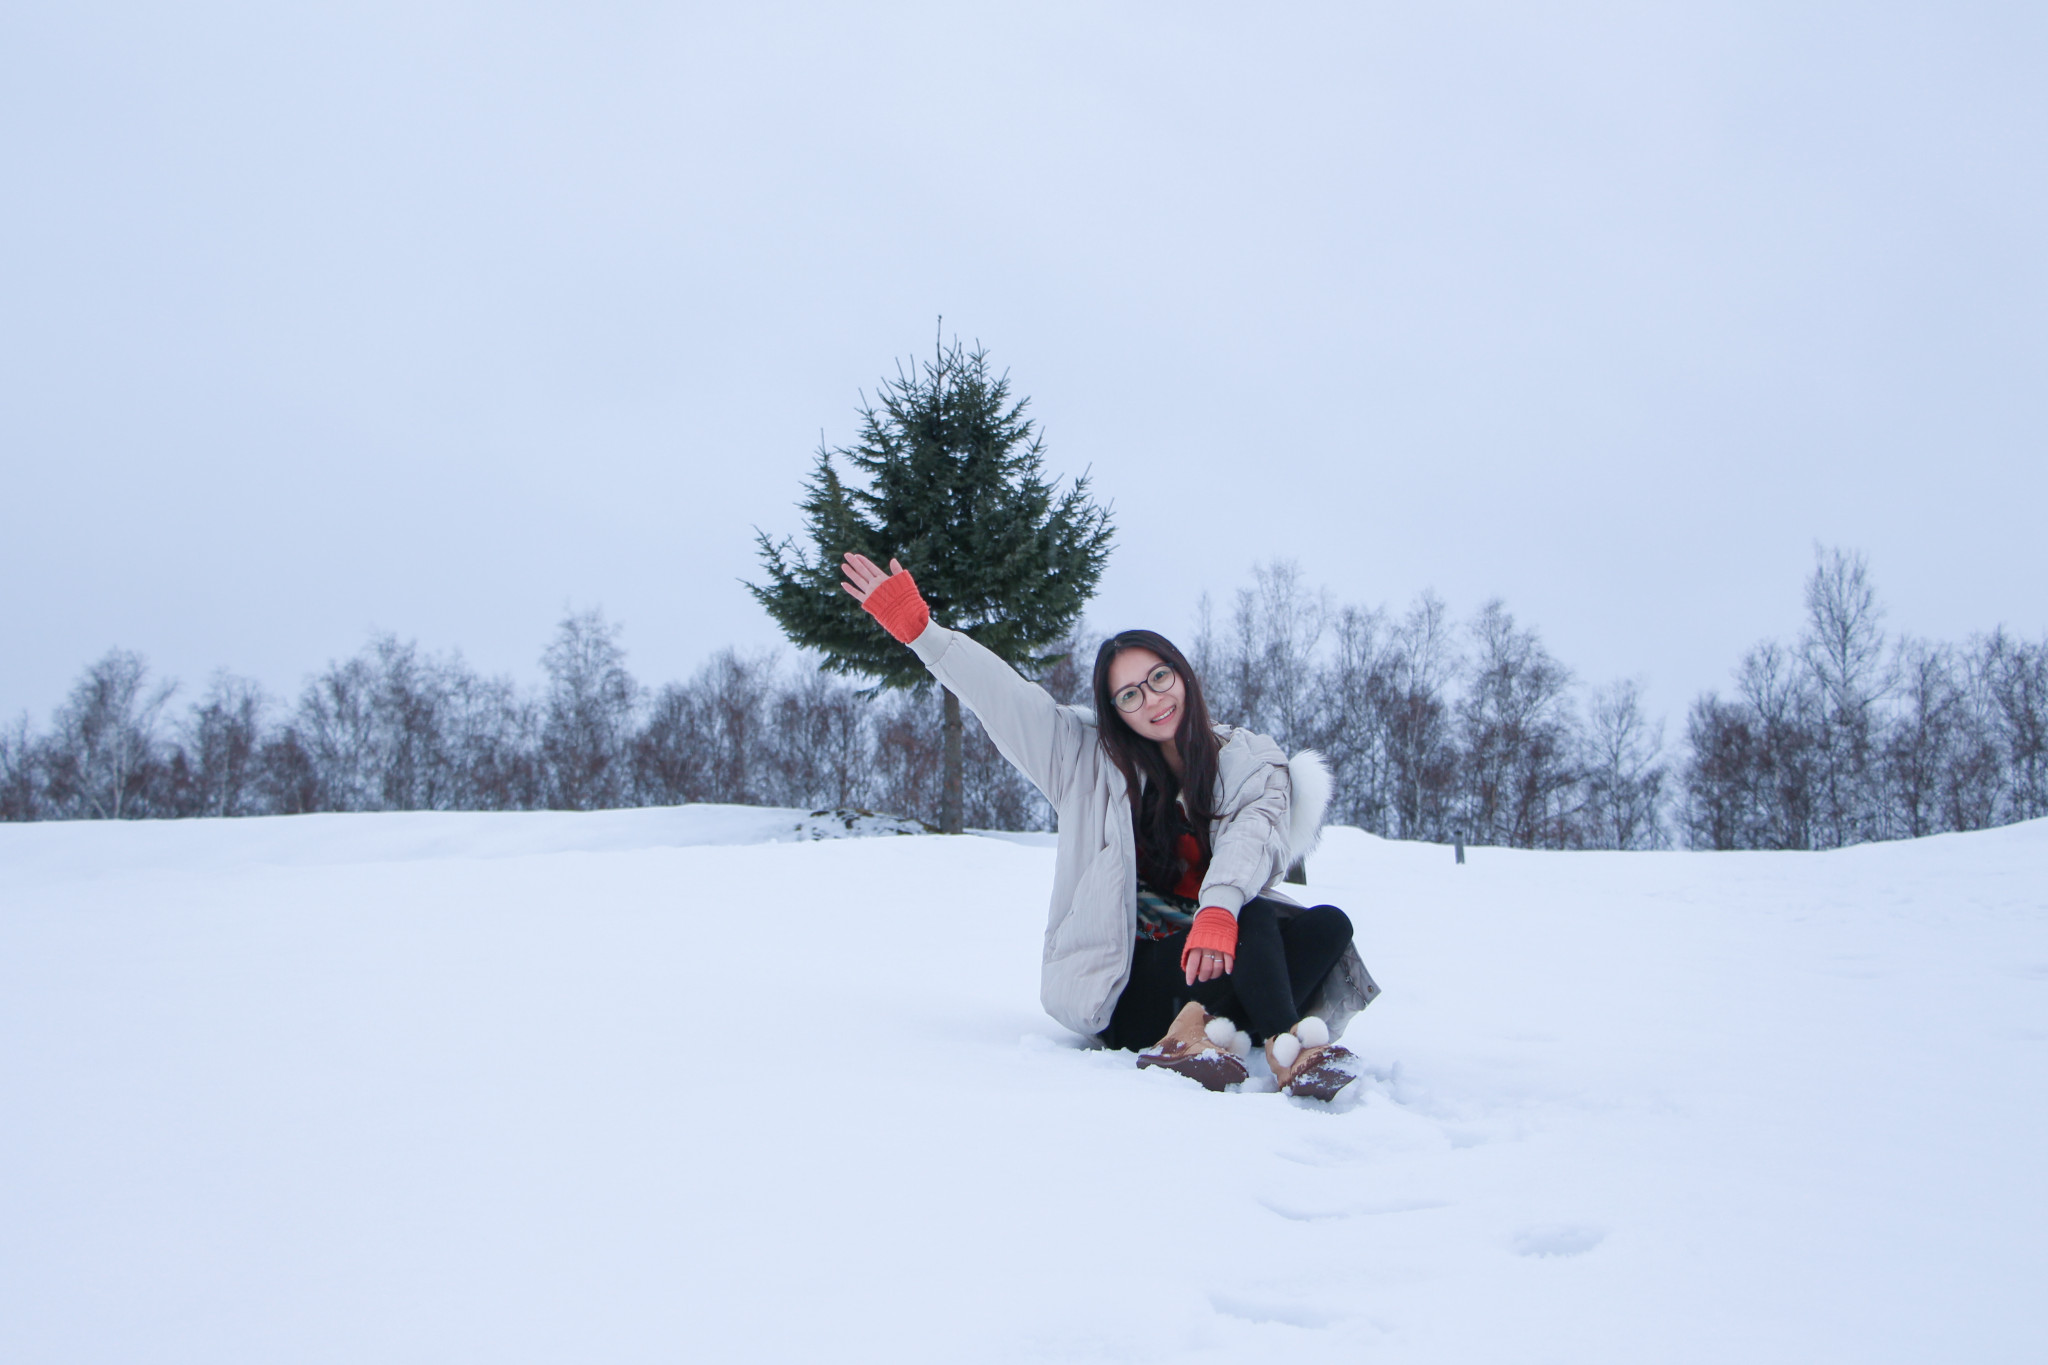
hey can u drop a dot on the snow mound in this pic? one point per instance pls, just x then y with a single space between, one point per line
61 850
847 822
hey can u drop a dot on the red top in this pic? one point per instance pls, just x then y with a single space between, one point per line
1213 927
1190 883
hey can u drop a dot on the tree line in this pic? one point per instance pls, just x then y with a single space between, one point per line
1439 730
1848 735
1435 729
396 728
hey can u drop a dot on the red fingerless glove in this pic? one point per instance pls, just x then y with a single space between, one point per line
898 607
1215 928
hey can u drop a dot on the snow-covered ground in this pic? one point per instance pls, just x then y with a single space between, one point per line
643 1086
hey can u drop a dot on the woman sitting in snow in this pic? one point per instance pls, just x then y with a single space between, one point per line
1171 834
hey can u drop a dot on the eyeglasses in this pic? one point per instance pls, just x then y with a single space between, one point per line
1159 680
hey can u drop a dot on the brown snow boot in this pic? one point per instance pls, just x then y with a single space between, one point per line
1202 1047
1306 1064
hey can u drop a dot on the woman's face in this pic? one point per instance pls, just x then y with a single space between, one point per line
1158 713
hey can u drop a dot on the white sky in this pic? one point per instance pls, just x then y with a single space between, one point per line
439 318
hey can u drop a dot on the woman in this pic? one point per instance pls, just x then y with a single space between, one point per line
1171 834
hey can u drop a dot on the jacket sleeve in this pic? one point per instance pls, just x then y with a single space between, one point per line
1248 842
1043 739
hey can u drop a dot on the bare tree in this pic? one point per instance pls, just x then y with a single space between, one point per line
103 753
1723 806
998 796
1941 764
1842 651
1270 661
337 731
732 691
908 761
1356 707
587 721
21 776
1421 747
1922 741
1785 712
819 752
713 739
490 741
1624 770
1211 664
221 750
1070 677
1518 733
288 775
1973 777
2016 676
672 751
408 704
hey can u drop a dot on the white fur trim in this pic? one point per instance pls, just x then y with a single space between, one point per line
1313 1032
1241 1043
1309 777
1285 1048
1220 1031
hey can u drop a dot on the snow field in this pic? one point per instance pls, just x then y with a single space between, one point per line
617 1087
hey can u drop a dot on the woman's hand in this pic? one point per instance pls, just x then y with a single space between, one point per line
1206 964
862 577
891 598
1211 949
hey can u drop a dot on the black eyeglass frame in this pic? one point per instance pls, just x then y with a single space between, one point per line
1137 690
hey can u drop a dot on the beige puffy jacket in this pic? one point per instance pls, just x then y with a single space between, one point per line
1093 922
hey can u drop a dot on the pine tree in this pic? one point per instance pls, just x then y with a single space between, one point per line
955 488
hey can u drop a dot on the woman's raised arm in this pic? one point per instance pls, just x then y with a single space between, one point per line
1040 737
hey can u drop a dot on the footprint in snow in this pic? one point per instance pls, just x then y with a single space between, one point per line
1306 1211
1252 1308
1558 1239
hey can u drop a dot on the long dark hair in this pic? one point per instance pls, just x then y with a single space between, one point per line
1152 800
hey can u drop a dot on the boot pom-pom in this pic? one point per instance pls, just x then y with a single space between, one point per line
1313 1032
1241 1043
1285 1049
1220 1031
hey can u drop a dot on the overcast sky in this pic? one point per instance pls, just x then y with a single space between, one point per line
440 318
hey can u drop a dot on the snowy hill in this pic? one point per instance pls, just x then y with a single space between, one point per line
642 1086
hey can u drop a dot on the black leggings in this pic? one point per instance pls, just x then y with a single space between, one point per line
1280 963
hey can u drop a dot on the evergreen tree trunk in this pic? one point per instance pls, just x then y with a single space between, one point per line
950 790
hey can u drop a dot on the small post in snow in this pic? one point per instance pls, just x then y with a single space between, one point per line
1459 836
